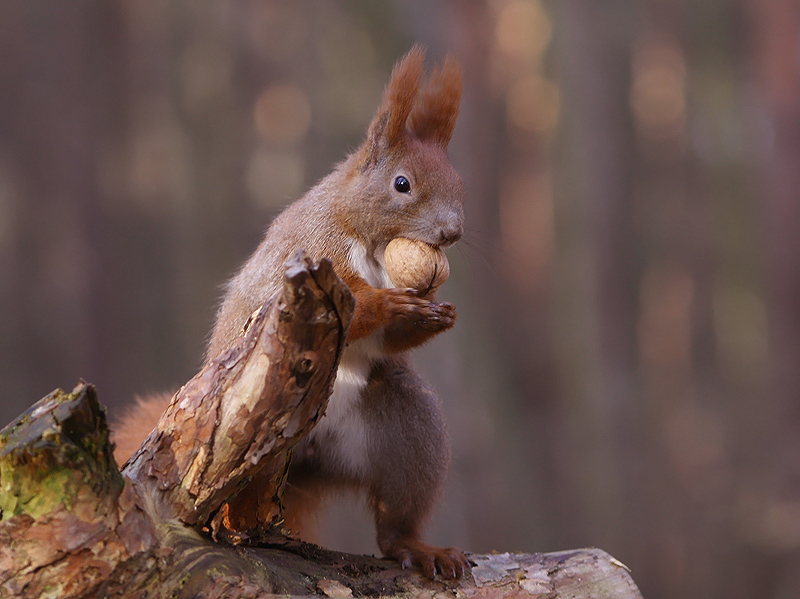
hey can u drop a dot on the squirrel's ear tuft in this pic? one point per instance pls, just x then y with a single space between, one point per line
388 126
435 112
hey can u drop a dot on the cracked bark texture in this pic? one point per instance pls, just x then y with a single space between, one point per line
237 419
173 523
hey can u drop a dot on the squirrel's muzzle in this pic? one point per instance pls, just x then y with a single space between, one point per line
450 233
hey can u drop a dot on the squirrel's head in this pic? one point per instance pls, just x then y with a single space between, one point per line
410 189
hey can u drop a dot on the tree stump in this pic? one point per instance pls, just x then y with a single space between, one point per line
173 523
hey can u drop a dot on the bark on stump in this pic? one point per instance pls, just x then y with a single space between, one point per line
172 524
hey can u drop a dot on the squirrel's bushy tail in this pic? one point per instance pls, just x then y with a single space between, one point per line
139 419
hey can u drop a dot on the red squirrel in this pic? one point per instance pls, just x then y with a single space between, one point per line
383 431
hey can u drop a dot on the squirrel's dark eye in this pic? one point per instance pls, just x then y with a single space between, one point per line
402 185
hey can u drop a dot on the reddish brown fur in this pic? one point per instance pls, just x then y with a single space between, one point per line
136 423
383 431
392 310
389 124
401 93
435 112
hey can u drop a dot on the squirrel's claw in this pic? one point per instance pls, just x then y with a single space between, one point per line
448 562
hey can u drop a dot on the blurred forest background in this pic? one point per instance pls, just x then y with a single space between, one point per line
625 371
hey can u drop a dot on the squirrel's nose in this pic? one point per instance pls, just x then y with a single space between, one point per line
450 234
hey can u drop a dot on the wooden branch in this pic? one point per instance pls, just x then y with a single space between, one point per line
247 408
71 526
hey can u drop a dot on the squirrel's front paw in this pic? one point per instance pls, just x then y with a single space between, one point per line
406 305
439 317
449 562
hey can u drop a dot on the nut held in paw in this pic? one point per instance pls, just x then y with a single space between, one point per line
415 264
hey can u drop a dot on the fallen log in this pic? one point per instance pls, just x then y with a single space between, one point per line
174 522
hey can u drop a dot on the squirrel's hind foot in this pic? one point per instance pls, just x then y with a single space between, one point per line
449 562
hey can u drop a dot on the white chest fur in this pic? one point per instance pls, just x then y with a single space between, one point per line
370 267
343 425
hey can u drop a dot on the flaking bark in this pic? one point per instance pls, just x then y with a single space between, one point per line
238 418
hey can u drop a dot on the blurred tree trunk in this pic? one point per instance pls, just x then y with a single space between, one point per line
60 110
775 465
775 43
595 213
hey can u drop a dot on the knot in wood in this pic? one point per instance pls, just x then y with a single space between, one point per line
305 366
285 314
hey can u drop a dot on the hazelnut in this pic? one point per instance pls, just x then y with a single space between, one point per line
415 264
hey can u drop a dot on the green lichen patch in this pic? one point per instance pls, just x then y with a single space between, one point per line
58 449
